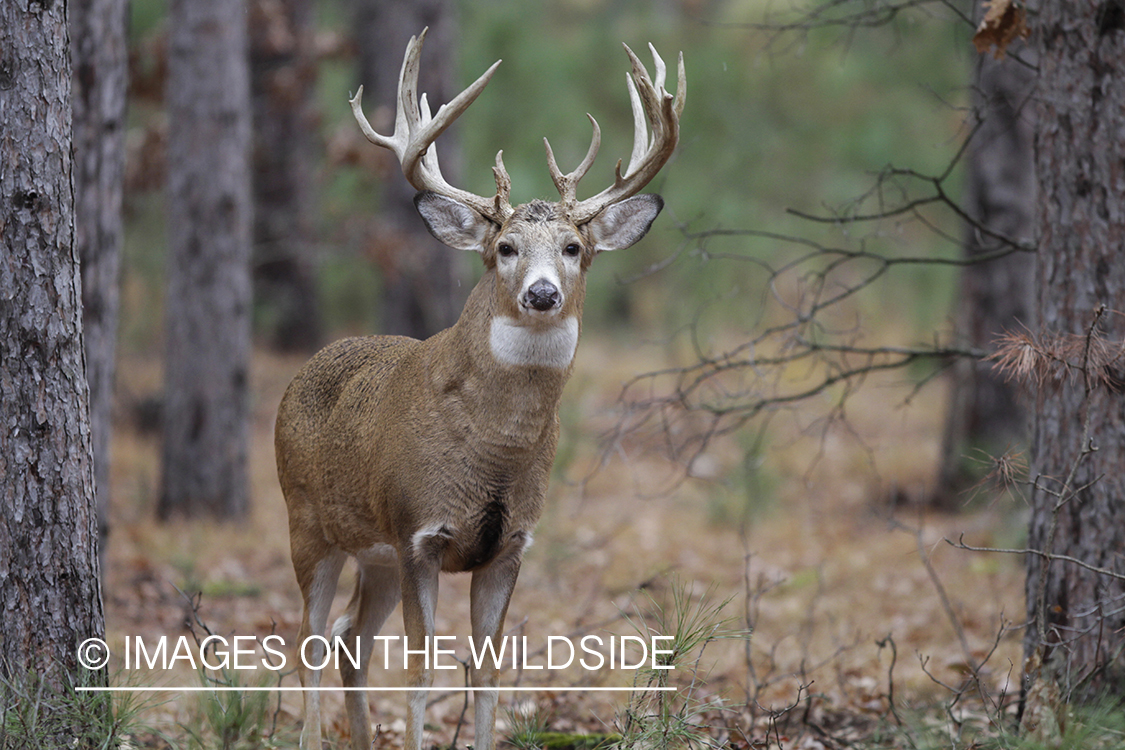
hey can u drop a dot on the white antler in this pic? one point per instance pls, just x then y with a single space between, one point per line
651 102
416 130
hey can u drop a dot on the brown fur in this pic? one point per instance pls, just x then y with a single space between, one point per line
491 430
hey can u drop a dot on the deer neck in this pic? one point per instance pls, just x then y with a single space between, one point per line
507 376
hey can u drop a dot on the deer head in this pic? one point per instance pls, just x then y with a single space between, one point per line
540 250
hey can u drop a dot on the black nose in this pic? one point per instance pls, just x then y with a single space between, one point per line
542 295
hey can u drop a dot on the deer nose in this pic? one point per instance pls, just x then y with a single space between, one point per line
542 295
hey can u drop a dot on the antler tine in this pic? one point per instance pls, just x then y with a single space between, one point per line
567 184
653 106
426 129
416 130
404 102
640 127
365 124
658 63
407 104
681 87
503 183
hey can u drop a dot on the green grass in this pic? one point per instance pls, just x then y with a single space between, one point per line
234 720
36 714
672 719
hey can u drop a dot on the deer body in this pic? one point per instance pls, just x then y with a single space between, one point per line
445 410
416 457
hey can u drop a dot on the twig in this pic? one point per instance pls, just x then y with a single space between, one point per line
464 707
889 642
1049 556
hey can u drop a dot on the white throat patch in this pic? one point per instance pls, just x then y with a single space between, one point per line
513 344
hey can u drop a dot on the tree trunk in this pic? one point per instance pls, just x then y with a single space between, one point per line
984 418
208 268
422 293
50 600
282 82
100 58
1078 453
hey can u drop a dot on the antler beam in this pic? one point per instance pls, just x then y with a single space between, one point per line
416 130
650 102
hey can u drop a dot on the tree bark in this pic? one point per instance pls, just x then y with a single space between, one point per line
984 417
100 58
282 81
1078 454
50 600
208 269
422 290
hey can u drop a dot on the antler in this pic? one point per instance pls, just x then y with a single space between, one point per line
416 130
649 101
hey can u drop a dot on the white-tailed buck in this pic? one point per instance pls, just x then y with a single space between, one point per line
416 457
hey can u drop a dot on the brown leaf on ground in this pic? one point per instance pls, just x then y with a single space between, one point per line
1004 21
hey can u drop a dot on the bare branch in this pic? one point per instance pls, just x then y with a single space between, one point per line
1049 556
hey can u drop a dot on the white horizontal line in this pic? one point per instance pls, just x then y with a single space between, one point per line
294 689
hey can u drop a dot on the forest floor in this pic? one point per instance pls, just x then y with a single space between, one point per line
849 619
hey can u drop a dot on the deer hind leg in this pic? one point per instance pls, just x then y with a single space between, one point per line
489 593
376 593
317 578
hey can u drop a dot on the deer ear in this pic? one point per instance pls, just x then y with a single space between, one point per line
622 224
452 222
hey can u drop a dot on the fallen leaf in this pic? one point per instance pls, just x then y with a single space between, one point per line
1003 22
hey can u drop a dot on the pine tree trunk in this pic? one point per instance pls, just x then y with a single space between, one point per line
422 293
282 81
1078 454
50 600
984 417
100 58
208 268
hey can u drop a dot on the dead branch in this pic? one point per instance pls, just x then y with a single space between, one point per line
1048 556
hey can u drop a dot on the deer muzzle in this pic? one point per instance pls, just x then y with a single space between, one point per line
542 296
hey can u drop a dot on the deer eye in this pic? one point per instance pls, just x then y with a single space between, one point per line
506 250
572 250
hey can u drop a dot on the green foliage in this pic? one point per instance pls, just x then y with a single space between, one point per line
233 719
34 714
528 730
566 741
142 278
146 17
749 490
527 724
673 719
652 718
1097 727
349 288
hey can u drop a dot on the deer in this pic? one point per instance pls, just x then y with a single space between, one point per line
420 457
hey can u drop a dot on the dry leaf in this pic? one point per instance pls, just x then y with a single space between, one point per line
1003 22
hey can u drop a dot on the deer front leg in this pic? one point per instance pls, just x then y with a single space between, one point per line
317 579
490 592
420 567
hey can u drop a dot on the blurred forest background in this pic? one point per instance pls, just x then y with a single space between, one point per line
782 123
778 122
767 441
